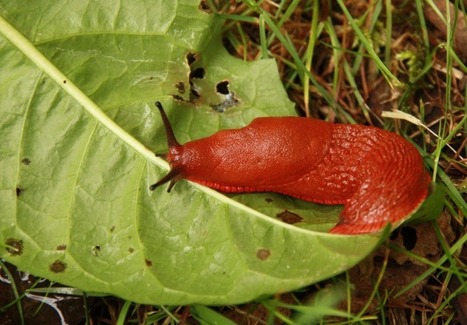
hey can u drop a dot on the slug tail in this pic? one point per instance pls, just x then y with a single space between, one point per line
373 207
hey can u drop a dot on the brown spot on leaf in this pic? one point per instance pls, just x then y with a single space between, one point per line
263 254
131 250
148 262
112 229
18 191
25 161
268 200
61 247
14 246
204 7
191 58
289 217
180 87
96 250
177 97
57 266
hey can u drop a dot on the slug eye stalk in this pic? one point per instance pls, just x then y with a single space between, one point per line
171 139
175 173
172 177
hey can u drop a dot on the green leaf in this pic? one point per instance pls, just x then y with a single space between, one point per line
432 207
79 129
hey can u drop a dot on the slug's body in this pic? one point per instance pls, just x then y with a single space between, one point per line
377 175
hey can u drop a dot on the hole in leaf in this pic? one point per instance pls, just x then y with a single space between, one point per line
394 234
409 237
223 87
229 98
198 73
195 73
191 58
14 246
57 266
18 191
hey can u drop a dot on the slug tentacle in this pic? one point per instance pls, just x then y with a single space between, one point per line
175 150
173 176
377 175
171 139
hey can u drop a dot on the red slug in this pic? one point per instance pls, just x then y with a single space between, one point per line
377 175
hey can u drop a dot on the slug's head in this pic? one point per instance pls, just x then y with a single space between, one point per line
175 152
